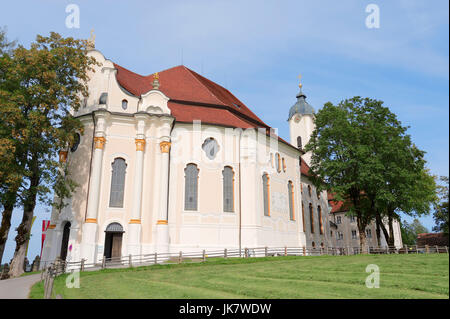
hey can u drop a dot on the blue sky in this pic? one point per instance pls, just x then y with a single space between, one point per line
257 49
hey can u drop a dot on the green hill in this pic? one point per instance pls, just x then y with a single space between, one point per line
401 276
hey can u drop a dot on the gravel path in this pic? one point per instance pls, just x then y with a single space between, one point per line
18 288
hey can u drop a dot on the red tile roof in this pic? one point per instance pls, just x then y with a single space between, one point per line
182 84
439 239
188 113
304 168
337 206
194 97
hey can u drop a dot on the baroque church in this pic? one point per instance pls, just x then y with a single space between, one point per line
174 162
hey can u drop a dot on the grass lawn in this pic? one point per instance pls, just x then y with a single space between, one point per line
401 276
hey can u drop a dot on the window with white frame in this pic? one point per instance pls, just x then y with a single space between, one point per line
228 189
119 167
266 194
191 187
291 200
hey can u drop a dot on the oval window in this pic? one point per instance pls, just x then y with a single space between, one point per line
211 148
124 104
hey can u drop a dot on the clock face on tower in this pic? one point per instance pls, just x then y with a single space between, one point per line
211 148
297 118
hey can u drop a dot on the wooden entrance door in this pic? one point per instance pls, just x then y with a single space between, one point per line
65 241
116 249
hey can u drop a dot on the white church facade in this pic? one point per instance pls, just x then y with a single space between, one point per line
174 162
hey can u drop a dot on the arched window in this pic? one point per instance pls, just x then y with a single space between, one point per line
114 228
309 190
319 209
191 187
284 164
228 189
266 194
119 167
278 162
124 104
291 200
303 217
311 217
299 142
103 98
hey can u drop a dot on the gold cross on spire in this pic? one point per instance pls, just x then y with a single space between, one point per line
299 81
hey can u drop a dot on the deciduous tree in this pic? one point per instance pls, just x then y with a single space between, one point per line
10 176
48 80
441 207
410 231
361 152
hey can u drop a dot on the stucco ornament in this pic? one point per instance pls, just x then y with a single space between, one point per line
140 144
91 41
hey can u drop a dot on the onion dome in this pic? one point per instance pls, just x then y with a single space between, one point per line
301 106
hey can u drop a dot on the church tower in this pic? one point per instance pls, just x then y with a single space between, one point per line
301 123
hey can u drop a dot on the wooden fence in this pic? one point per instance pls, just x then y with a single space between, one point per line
58 267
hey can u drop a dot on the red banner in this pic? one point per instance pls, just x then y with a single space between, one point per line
45 224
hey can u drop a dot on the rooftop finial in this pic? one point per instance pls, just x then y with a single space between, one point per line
91 41
156 81
299 81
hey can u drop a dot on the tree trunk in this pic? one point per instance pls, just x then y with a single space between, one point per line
362 241
362 233
24 229
391 231
378 231
4 228
22 238
8 207
383 228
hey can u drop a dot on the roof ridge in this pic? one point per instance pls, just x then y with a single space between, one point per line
118 65
174 67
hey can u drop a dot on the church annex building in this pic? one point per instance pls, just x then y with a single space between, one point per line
174 162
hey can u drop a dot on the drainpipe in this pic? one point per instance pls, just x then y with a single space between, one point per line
168 171
90 163
240 196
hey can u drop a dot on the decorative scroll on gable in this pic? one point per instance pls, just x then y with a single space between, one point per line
154 102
